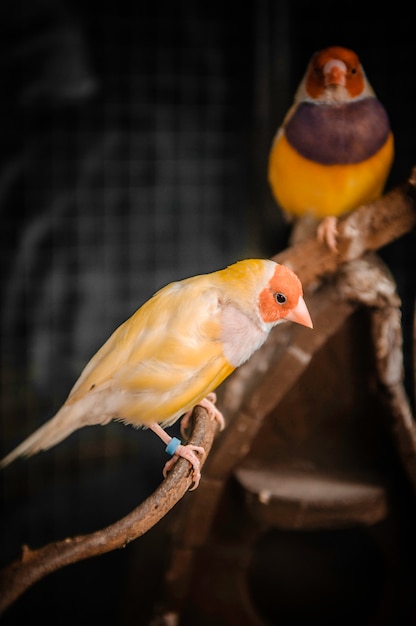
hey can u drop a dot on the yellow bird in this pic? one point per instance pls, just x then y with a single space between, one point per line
174 351
335 148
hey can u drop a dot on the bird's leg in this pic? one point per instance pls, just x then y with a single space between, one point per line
327 232
176 449
209 404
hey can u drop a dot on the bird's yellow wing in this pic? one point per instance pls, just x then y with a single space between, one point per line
162 360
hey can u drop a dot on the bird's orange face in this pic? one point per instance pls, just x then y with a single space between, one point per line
332 67
283 299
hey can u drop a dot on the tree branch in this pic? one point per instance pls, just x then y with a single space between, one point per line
33 565
368 228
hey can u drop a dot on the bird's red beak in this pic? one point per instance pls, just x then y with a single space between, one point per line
300 314
334 72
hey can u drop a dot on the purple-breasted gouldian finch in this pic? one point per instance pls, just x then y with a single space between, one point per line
174 351
335 148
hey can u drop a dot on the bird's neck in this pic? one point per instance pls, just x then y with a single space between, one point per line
241 335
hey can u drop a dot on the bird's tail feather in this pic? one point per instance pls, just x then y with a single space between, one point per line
48 435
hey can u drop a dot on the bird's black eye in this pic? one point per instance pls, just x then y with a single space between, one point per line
354 70
280 298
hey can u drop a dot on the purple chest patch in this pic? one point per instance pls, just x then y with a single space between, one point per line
338 134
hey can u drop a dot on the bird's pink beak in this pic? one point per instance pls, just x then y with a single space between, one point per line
300 314
334 72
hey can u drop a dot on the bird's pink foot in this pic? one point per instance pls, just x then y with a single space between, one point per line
209 404
327 232
176 449
187 452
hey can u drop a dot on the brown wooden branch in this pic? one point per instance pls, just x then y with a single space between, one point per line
33 565
368 228
368 281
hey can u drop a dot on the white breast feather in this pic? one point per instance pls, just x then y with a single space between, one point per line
240 335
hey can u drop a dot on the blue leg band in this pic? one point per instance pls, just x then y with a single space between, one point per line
173 445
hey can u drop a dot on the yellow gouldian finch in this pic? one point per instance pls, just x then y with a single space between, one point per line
335 148
174 351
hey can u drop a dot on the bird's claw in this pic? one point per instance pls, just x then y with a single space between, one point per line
207 403
187 452
327 232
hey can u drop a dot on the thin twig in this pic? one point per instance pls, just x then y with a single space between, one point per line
33 565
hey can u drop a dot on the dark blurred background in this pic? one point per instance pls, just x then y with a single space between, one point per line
134 140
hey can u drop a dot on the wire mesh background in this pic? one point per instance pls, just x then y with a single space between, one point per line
134 141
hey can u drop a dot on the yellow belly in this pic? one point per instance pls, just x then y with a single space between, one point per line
302 187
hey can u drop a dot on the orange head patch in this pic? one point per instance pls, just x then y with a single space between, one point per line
334 65
280 296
